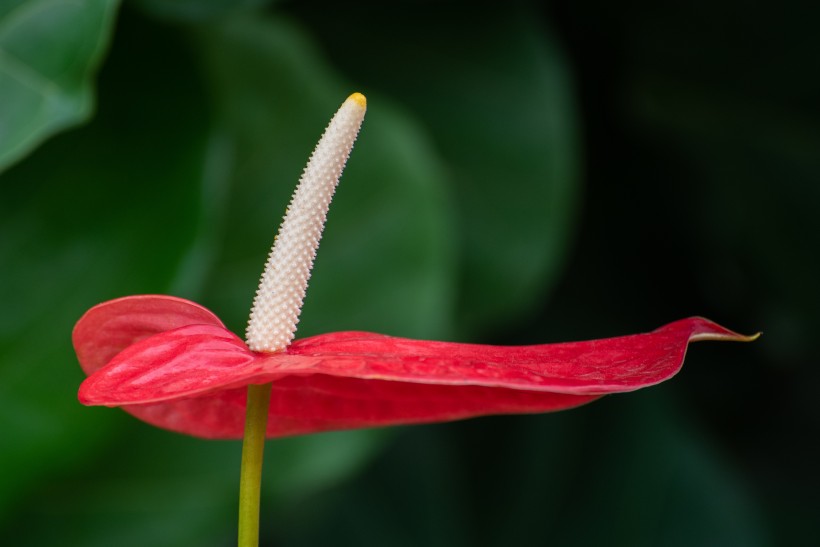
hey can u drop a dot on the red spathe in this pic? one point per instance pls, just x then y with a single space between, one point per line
172 363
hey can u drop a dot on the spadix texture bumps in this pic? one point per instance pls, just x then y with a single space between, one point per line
173 364
281 292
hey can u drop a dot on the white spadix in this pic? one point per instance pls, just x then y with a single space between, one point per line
281 292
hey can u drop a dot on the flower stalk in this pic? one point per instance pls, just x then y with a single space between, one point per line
250 475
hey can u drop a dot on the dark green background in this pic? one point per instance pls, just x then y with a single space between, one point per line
526 173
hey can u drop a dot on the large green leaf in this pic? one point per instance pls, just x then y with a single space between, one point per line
493 87
84 219
49 50
385 261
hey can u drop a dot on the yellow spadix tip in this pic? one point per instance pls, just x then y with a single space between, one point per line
359 99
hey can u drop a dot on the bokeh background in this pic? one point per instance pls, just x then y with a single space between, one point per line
527 173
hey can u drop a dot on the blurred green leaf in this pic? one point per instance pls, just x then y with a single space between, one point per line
97 213
49 50
625 471
493 87
166 490
385 263
650 479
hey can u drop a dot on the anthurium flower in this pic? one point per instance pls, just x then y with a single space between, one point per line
172 363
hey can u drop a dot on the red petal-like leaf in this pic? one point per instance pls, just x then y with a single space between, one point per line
183 362
108 328
594 367
352 379
310 404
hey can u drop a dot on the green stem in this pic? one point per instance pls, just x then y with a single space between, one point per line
250 479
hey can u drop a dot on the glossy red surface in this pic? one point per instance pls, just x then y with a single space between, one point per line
172 363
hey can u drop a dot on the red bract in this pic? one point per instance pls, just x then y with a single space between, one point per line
172 363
